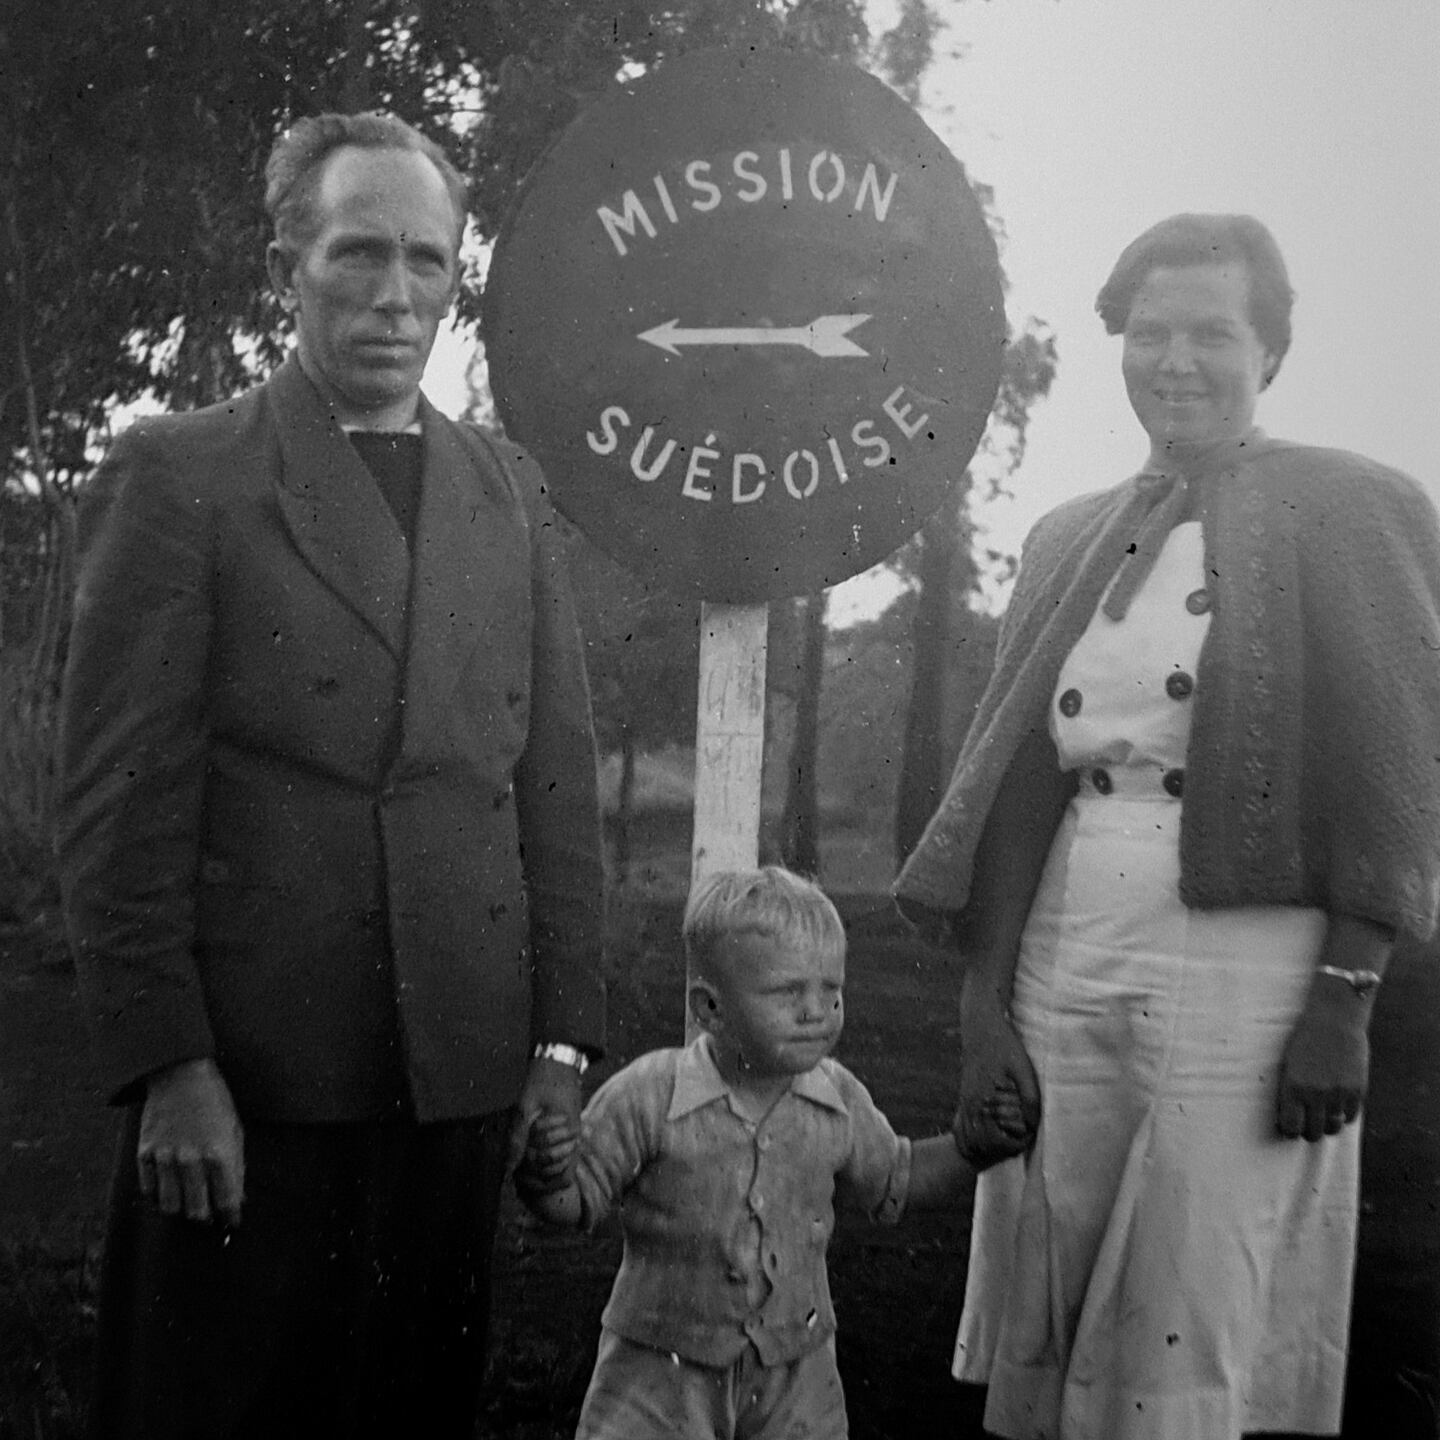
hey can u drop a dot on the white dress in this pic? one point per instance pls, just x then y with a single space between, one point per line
1163 1266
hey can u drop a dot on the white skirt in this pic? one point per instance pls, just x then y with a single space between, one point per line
1162 1266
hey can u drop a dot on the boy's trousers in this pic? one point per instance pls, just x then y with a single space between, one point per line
637 1393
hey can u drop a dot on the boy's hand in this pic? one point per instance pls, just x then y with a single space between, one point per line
548 1162
999 1108
550 1088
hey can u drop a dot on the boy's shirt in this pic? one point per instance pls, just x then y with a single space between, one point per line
727 1222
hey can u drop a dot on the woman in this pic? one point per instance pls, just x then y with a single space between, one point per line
1197 805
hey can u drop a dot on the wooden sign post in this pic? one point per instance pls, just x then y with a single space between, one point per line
747 312
729 739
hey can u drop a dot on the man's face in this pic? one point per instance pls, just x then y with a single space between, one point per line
370 290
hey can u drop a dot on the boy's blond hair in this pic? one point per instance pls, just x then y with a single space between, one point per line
770 901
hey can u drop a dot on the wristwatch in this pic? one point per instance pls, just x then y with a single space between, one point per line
565 1054
1362 982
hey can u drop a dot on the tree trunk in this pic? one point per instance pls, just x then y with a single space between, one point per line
26 765
48 643
800 828
624 808
355 93
199 370
921 764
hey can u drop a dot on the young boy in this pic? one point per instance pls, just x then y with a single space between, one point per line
723 1159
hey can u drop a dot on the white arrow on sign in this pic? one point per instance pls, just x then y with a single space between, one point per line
824 336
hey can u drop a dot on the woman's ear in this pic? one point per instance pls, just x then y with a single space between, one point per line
705 1007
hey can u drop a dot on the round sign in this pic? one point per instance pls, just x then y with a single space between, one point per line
747 314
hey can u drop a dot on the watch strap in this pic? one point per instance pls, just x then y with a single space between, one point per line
564 1054
1362 982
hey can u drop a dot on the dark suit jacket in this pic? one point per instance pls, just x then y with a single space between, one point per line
344 860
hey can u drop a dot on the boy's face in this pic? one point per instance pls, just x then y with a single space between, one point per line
779 1005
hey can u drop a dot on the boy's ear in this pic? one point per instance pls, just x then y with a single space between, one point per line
705 1007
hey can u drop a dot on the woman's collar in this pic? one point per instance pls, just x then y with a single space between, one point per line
1190 463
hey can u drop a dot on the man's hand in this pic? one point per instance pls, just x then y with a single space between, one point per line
999 1108
551 1088
192 1151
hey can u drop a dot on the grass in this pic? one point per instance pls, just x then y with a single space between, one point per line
47 1315
897 1291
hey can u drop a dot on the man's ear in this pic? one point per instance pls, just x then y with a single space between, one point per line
280 264
705 1007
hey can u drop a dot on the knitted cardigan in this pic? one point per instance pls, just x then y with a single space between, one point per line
1313 770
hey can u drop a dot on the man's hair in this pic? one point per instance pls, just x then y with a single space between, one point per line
770 901
1207 240
299 155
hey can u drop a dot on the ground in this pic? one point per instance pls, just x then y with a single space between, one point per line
897 1291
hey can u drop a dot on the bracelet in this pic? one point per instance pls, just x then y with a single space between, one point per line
566 1054
1362 982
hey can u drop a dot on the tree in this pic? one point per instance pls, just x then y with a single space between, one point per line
132 235
800 822
945 569
131 229
642 654
130 241
940 554
138 129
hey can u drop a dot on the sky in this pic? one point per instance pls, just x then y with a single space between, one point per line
1092 119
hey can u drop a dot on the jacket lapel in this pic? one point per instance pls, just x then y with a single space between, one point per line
335 512
469 551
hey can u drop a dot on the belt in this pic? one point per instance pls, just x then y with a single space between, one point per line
1143 781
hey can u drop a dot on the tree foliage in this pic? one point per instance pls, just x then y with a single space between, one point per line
133 135
133 235
642 655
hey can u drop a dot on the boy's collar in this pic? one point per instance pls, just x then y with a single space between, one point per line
698 1082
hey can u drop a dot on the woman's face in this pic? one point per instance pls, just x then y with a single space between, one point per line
1193 364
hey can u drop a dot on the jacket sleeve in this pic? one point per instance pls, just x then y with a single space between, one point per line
1037 629
1370 584
877 1169
557 799
131 763
621 1134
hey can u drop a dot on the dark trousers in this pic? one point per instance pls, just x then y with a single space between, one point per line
351 1301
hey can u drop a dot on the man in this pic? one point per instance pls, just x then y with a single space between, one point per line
329 842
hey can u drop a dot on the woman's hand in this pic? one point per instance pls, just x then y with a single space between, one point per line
999 1109
1325 1067
998 1113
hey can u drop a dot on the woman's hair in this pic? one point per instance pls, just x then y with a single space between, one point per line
770 901
1206 240
296 161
